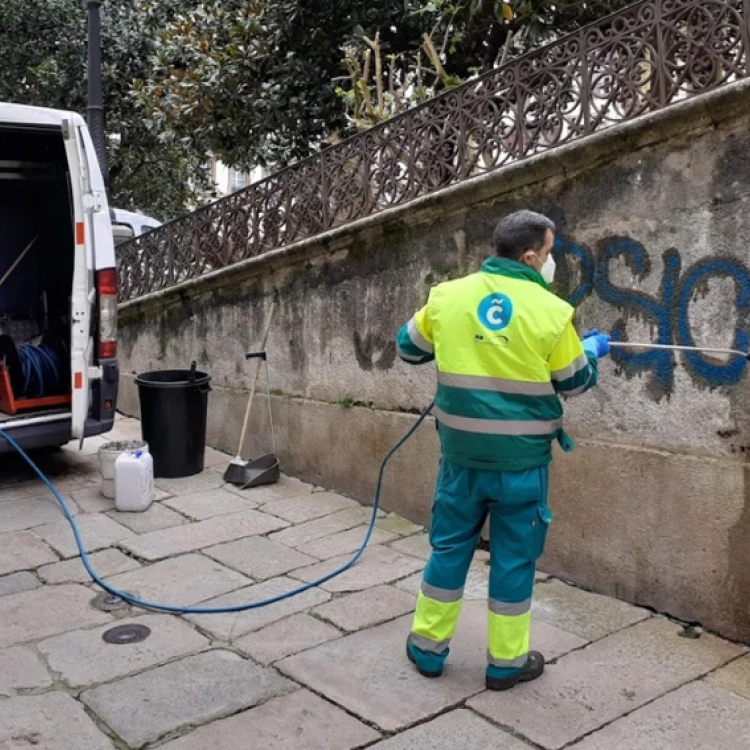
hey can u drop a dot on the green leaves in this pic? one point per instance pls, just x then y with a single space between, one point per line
256 82
43 46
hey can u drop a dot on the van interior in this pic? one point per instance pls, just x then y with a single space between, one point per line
37 251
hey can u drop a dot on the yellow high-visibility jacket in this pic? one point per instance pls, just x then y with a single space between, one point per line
506 350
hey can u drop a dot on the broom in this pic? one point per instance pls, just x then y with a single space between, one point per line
235 473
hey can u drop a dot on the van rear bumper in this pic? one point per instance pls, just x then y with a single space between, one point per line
50 434
58 432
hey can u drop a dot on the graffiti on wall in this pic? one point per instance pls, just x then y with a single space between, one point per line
584 272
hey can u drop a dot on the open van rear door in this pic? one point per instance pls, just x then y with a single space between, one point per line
83 292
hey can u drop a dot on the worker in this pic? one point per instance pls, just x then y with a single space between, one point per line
506 350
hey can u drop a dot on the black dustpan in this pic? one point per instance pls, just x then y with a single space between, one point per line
261 471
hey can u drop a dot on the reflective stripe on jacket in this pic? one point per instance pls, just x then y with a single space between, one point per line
505 349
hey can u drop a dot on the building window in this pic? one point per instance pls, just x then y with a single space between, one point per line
237 180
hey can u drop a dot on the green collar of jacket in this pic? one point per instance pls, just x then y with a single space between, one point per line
513 269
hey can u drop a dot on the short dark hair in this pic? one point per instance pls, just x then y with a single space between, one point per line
519 232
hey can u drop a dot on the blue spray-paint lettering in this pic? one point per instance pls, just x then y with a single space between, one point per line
668 311
713 372
585 261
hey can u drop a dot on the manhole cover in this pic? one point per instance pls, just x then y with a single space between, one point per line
124 634
108 602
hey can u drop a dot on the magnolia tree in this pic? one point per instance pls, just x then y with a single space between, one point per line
459 40
44 54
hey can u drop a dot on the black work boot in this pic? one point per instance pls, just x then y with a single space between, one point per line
534 668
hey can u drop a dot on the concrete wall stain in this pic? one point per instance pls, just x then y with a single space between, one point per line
668 312
373 350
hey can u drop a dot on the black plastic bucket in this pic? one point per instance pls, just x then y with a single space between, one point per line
174 409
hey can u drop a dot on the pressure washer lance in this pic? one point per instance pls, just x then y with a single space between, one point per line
676 348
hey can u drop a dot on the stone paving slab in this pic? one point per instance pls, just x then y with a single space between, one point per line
296 536
309 507
28 512
160 544
184 580
207 480
46 611
213 458
695 717
591 616
229 626
735 677
90 499
300 721
192 691
366 608
107 562
53 721
344 542
398 525
285 638
416 546
377 565
96 530
21 669
259 558
15 583
592 687
209 503
12 490
157 517
456 730
286 487
369 674
83 658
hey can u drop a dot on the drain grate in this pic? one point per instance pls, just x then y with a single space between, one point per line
122 635
108 602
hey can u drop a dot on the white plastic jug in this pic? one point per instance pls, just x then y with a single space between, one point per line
134 481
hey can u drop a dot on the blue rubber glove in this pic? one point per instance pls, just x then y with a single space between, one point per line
597 343
592 332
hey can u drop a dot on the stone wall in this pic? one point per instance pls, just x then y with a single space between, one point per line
654 230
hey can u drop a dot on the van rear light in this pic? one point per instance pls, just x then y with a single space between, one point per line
106 292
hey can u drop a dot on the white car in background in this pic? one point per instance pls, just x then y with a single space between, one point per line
127 224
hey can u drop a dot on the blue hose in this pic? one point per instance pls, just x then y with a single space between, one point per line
41 373
216 610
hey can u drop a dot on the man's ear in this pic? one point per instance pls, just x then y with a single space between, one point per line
527 258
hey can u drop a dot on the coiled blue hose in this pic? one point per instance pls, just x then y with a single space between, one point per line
217 610
41 370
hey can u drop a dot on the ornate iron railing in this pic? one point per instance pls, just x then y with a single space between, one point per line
644 58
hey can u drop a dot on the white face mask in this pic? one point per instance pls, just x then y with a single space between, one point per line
548 268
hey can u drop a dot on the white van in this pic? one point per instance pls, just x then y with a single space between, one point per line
128 224
58 281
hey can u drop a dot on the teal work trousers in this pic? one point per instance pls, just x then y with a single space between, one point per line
519 519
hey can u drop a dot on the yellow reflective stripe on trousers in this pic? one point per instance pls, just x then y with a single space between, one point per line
498 426
499 385
435 620
508 639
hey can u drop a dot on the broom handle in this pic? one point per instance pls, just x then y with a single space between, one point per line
246 421
18 260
